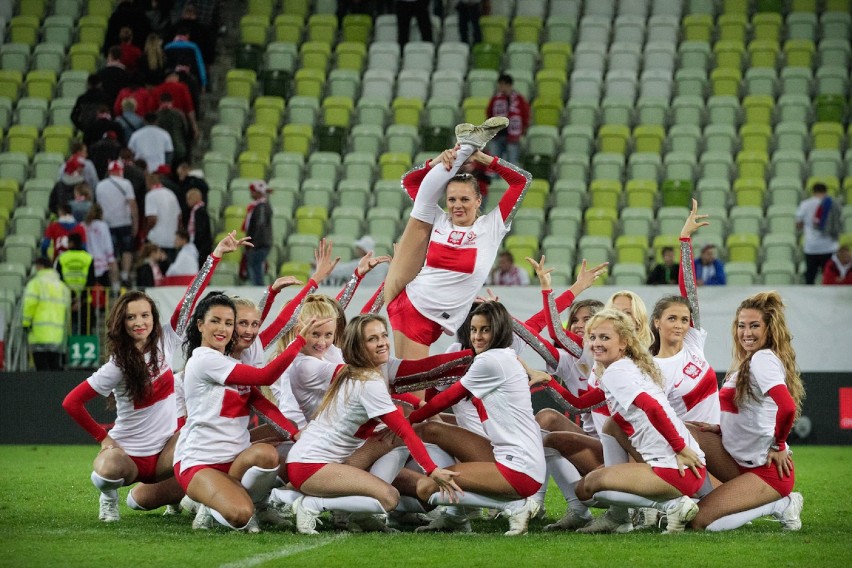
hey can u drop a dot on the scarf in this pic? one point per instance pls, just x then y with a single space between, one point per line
190 227
821 215
156 272
842 269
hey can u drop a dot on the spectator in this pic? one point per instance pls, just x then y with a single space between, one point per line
127 14
162 215
509 103
86 108
105 150
507 274
136 90
816 217
181 99
174 121
149 269
709 270
114 75
77 269
344 270
136 175
59 232
102 124
129 120
152 144
666 272
71 174
152 64
183 51
130 53
258 226
185 76
407 9
45 316
469 14
198 223
202 35
82 202
187 178
165 173
99 245
186 260
118 201
838 270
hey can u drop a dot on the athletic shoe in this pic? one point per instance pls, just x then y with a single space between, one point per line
446 523
399 520
172 510
189 504
570 521
679 514
368 522
203 519
646 518
791 517
542 512
519 519
478 136
252 527
606 523
268 514
306 519
108 511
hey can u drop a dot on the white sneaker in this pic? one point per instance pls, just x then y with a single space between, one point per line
519 519
542 512
368 522
252 527
646 518
398 520
446 523
479 136
108 510
189 504
268 514
791 517
606 523
570 521
203 519
172 510
679 514
306 519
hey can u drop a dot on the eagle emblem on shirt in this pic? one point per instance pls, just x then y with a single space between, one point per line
456 237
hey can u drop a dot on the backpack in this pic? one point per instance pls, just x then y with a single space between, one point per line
833 224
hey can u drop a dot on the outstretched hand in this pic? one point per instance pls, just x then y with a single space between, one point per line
312 325
283 282
447 158
231 243
587 276
369 262
693 222
323 260
491 297
444 479
542 272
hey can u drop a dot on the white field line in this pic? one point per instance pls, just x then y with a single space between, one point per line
259 559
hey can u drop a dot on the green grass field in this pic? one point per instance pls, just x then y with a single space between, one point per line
48 517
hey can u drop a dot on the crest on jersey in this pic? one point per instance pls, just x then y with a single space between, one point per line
471 238
692 371
456 237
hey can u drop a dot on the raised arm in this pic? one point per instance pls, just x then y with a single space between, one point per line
540 345
518 179
439 402
376 301
412 179
367 263
588 401
437 370
271 292
686 272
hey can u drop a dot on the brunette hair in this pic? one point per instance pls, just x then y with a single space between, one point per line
661 306
500 321
122 349
193 334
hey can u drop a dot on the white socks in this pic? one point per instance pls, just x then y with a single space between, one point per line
349 504
389 465
280 496
737 520
612 451
131 502
434 185
477 500
566 477
409 505
258 482
105 485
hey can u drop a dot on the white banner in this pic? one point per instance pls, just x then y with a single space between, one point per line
820 317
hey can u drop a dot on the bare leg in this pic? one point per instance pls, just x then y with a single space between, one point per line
339 480
223 493
477 477
165 463
462 444
154 495
554 421
614 430
375 447
581 450
114 463
745 492
719 462
261 455
635 478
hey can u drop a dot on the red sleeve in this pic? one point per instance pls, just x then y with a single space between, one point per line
271 294
372 301
400 426
407 398
563 301
409 367
252 376
192 294
270 411
785 416
181 422
411 182
439 402
75 405
518 183
589 398
269 333
660 420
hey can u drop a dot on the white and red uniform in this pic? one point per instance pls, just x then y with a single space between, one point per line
750 429
499 381
459 259
310 378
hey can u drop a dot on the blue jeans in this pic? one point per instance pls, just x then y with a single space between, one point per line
255 258
509 151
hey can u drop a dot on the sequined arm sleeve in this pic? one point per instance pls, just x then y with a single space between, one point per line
345 295
285 320
537 322
266 301
434 371
183 311
519 181
263 406
686 279
568 341
375 303
540 345
412 179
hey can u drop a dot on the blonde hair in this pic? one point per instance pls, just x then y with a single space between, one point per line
154 52
317 306
778 339
634 350
241 302
640 315
358 366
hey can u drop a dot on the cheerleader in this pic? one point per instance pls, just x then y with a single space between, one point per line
760 399
349 412
499 383
215 462
458 246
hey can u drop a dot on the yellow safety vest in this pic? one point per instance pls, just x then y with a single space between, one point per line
45 307
75 268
